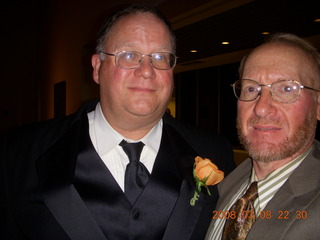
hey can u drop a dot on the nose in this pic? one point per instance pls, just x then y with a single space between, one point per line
145 69
264 104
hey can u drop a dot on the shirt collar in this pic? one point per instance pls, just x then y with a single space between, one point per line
297 161
107 138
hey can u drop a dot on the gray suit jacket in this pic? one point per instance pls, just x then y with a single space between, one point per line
300 195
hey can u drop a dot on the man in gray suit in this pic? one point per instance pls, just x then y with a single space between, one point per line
278 108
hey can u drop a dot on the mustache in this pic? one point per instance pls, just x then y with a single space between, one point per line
264 121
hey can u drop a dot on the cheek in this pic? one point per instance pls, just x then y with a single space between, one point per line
245 111
297 115
169 88
296 118
111 81
165 81
169 80
114 75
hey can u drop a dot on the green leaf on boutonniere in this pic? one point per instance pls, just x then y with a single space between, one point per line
199 185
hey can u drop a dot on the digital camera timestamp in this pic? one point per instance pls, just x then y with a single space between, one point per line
263 215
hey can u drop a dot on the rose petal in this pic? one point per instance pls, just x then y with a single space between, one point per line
206 168
215 178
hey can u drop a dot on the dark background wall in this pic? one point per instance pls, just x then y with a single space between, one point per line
46 48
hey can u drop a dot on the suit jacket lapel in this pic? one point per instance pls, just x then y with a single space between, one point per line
55 173
184 217
164 173
231 184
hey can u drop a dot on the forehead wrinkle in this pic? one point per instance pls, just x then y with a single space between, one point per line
142 34
278 61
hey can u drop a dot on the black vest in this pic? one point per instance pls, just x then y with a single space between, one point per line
118 219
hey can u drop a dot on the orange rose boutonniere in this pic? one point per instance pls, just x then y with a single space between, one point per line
205 173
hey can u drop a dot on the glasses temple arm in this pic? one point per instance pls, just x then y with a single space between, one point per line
310 88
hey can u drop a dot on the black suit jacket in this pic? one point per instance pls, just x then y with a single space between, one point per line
40 201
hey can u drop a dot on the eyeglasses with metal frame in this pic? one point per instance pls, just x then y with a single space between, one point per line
133 59
283 91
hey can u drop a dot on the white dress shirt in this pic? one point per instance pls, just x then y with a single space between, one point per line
106 142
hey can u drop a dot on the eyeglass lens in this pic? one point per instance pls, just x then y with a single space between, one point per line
131 59
282 91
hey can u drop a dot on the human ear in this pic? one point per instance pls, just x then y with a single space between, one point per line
96 63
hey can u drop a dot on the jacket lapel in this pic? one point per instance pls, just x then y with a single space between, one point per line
230 185
55 173
185 217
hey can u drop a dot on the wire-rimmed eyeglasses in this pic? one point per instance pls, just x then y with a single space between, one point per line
133 59
283 91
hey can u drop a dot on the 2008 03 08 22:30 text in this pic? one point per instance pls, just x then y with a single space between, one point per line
263 215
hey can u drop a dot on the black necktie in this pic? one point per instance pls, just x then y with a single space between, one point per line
237 228
137 174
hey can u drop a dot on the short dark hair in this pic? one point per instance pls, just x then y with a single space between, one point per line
131 10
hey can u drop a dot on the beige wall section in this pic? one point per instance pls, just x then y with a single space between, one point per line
172 107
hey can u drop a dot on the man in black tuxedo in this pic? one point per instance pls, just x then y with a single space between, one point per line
66 178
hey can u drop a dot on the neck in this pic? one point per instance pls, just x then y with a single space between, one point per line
132 126
134 130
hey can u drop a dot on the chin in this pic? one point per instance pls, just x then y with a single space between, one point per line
265 153
142 112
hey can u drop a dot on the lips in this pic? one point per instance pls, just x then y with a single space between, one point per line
143 89
263 124
266 128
